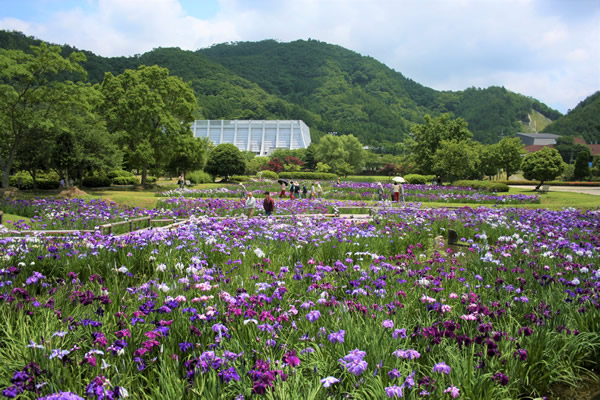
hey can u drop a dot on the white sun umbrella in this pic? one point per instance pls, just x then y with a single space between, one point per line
399 179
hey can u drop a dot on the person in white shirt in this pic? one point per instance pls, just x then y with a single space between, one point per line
250 205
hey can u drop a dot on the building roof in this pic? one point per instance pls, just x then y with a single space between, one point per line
594 148
539 135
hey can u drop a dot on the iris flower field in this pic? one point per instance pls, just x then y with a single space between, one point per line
298 306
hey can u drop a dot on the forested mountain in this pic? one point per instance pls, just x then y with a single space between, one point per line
357 94
583 121
329 87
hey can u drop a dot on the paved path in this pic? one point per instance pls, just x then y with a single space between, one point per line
593 190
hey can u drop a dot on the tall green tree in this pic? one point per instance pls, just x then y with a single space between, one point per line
582 165
189 154
426 138
488 160
568 149
149 112
341 153
225 160
543 165
456 159
510 153
596 166
32 99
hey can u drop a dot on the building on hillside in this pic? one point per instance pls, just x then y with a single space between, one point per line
261 137
537 141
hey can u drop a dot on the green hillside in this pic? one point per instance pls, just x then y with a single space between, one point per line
363 96
329 87
583 121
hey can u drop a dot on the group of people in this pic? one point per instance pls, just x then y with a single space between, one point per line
301 192
397 191
296 191
250 204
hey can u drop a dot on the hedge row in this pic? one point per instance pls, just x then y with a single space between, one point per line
321 176
551 183
483 185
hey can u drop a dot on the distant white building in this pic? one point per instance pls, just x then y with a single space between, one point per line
261 137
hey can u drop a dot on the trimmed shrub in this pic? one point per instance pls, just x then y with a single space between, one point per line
96 181
197 177
112 174
483 185
26 180
125 180
415 179
45 181
319 176
48 184
266 174
239 178
151 179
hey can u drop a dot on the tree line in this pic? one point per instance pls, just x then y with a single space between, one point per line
329 87
140 120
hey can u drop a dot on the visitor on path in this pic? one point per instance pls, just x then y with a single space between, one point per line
396 191
268 204
181 181
292 190
282 193
402 194
319 190
244 191
313 193
304 191
439 180
297 190
250 205
380 191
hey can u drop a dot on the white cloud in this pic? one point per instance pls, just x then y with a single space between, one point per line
539 48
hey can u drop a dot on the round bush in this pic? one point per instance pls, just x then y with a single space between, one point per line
118 172
197 177
96 181
269 174
415 179
125 180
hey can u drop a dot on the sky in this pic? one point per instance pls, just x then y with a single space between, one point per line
545 49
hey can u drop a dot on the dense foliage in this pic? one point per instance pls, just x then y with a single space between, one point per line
331 88
583 121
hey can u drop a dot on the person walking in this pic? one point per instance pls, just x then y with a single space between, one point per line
304 191
297 190
291 190
282 193
402 194
250 205
396 191
380 191
181 181
313 193
268 204
319 189
244 191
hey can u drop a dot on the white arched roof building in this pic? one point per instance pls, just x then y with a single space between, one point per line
261 137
